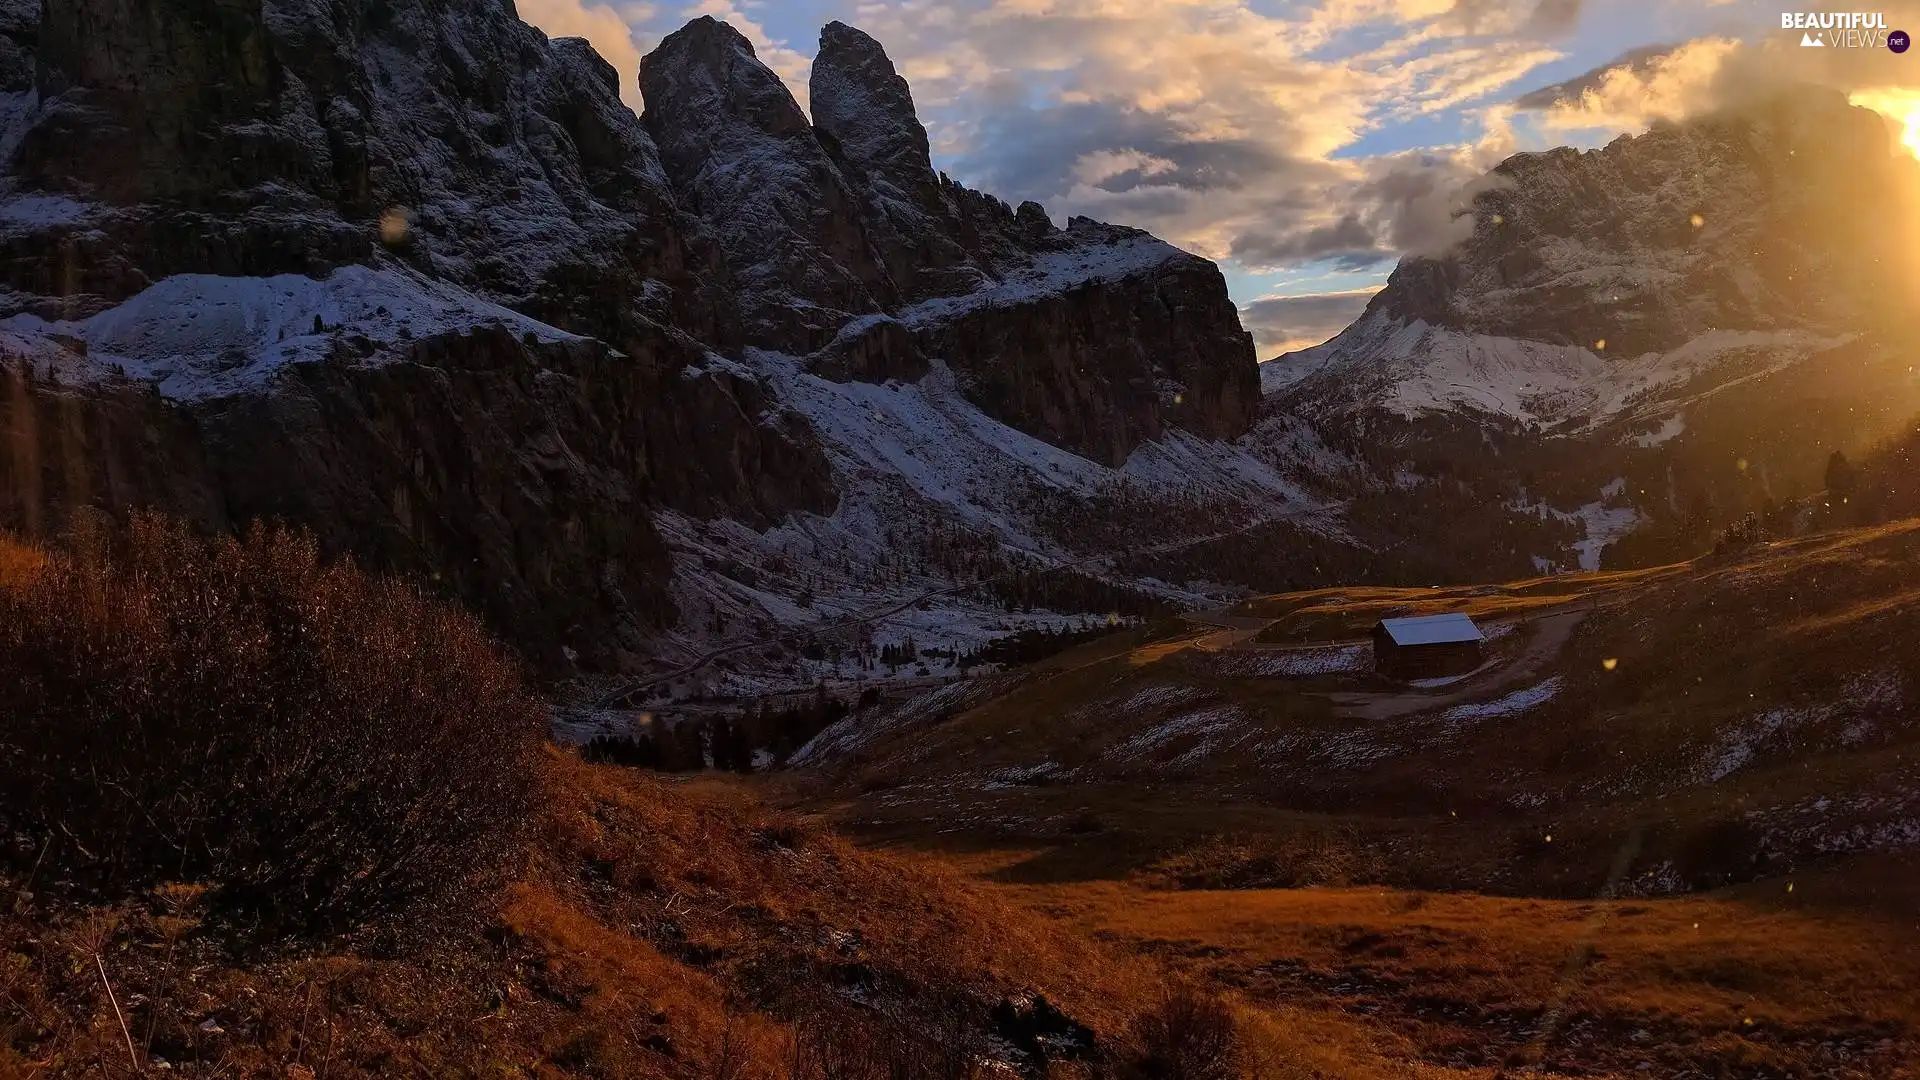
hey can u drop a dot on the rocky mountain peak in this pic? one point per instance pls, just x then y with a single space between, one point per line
742 156
866 108
708 64
1744 219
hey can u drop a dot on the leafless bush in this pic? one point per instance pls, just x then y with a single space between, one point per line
318 746
835 1040
1190 1035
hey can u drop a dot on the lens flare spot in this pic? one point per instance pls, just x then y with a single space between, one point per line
1610 663
1697 221
394 227
1600 346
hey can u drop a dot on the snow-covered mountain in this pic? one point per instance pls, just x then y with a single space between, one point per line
1659 335
638 388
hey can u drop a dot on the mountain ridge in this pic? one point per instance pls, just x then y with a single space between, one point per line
226 261
1623 325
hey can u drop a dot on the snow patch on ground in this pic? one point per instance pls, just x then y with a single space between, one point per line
848 734
1051 274
1021 776
32 212
1216 720
1603 524
1301 663
1511 705
1671 428
1156 696
1884 819
1864 697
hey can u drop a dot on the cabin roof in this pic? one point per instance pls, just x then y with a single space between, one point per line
1430 630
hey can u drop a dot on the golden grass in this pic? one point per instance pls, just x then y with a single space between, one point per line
661 930
1337 614
17 561
1755 976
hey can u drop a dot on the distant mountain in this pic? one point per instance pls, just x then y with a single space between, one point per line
635 387
1660 335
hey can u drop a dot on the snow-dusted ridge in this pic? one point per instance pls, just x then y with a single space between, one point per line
1055 272
1410 368
201 336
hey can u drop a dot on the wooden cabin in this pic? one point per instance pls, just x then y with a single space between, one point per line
1427 646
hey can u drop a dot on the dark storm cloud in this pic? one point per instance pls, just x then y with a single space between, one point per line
1350 240
1294 321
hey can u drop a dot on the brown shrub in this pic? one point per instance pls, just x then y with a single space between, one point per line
1288 861
1191 1035
319 746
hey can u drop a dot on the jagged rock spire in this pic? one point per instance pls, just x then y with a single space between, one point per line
741 154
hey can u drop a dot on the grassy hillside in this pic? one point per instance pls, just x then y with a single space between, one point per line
238 839
1730 742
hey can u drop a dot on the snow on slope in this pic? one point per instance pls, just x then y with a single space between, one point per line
913 460
1412 368
200 336
1052 273
929 438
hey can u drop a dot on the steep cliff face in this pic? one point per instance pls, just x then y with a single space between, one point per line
864 114
413 276
169 159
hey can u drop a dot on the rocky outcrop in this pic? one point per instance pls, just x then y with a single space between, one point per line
864 113
269 136
743 157
1644 341
1099 346
250 139
874 349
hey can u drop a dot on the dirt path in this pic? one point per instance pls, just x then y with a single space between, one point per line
1236 632
1550 634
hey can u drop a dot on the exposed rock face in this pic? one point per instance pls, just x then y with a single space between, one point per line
1111 361
1575 247
253 139
863 111
744 159
414 276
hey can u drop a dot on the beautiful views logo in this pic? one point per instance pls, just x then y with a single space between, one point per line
1842 30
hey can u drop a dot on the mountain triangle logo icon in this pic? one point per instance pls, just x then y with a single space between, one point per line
1808 41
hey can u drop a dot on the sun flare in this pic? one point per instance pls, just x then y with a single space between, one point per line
1900 106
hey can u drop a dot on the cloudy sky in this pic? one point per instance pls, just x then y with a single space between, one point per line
1305 144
